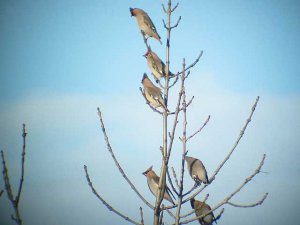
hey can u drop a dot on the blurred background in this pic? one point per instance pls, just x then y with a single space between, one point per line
60 60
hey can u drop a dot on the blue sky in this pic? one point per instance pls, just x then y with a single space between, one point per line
60 60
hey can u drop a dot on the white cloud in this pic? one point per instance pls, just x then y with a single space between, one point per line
64 133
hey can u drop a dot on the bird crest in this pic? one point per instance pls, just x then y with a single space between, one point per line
147 171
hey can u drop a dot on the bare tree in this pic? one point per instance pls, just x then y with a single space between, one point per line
177 182
8 188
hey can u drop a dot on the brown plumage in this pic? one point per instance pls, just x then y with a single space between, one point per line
202 208
145 23
153 94
153 182
197 170
156 65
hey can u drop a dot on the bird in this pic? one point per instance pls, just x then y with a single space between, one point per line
153 181
145 23
153 93
156 65
202 208
197 170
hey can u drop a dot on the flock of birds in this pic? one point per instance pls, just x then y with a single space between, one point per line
154 96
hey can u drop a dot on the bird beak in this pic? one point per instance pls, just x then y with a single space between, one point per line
145 173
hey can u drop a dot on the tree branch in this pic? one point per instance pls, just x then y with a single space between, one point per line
142 216
175 177
228 155
164 9
183 149
190 102
175 7
6 180
15 201
190 66
237 141
22 165
174 82
192 189
226 199
200 129
249 205
110 208
170 181
109 148
176 23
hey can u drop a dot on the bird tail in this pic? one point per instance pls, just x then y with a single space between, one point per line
157 37
161 101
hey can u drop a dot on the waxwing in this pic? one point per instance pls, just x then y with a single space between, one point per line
156 65
153 181
145 23
152 93
202 208
196 170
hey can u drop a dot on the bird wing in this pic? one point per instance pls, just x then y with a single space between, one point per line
156 180
157 63
155 92
148 22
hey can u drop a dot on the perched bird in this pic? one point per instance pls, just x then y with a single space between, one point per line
202 208
196 170
153 181
145 23
156 65
152 93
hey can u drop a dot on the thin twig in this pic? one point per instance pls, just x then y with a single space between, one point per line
117 163
15 201
1 192
110 208
192 189
164 9
228 155
190 66
171 182
187 74
158 82
190 102
23 166
142 216
161 216
175 177
165 25
200 129
176 23
170 213
175 7
174 82
219 215
249 205
168 174
237 141
6 179
145 41
226 199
